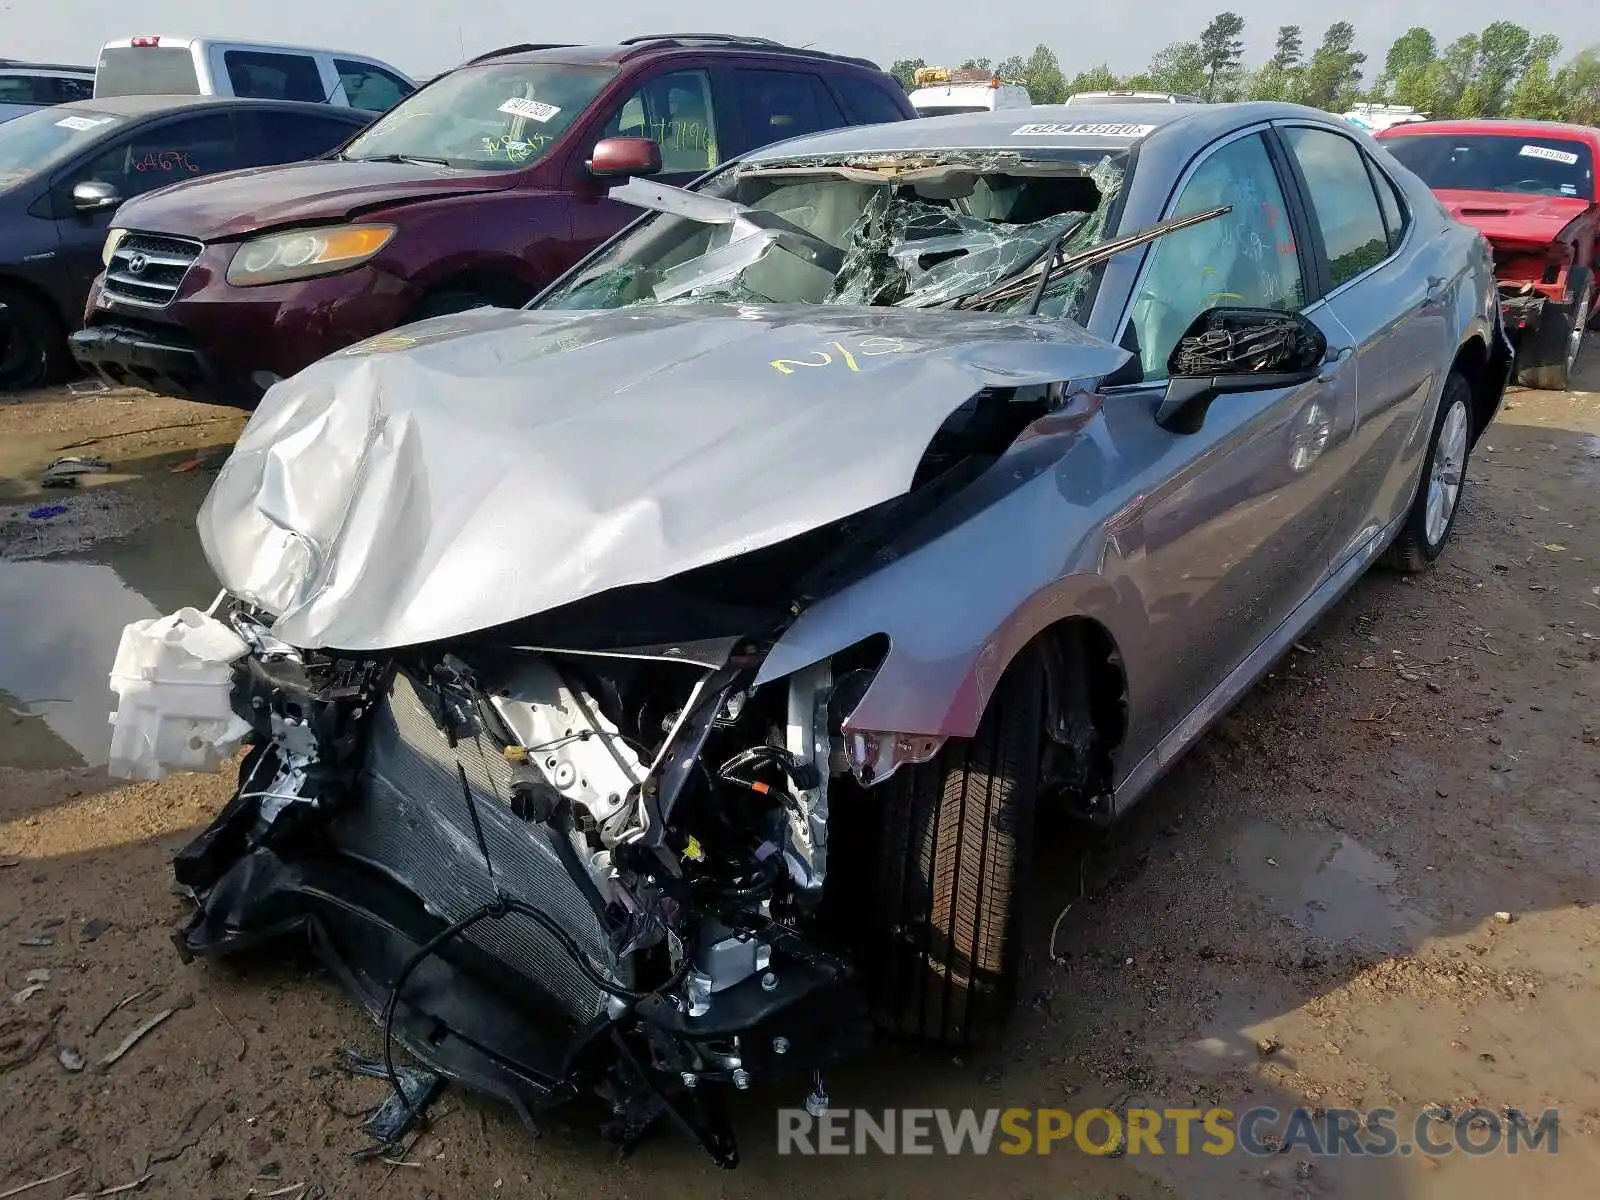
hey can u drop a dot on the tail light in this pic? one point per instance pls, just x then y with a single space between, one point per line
146 40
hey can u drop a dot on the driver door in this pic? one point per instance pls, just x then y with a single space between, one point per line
1238 530
676 111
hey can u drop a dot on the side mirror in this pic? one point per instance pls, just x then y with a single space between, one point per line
1237 350
92 196
619 157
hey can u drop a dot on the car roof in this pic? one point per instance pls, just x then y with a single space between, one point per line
650 45
1061 127
1500 126
19 64
144 106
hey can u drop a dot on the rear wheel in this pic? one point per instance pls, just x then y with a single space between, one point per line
1549 358
1433 513
953 862
33 348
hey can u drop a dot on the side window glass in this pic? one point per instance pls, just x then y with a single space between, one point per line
675 112
68 89
370 87
783 104
1342 200
282 137
1244 259
1394 212
153 158
866 103
266 76
26 89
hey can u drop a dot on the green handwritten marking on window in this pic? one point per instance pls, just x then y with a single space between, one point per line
837 353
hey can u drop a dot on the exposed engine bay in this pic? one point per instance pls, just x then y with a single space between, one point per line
548 873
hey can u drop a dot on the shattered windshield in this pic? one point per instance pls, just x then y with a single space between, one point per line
889 229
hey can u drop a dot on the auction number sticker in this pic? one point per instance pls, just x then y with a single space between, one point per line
83 124
534 110
1082 129
1560 156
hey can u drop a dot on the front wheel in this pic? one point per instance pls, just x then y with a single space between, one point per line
956 843
1549 359
1433 513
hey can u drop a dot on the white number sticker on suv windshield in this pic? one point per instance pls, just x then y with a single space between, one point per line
1082 128
1560 156
534 110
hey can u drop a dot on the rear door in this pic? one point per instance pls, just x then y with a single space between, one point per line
774 105
272 74
270 136
1394 293
368 86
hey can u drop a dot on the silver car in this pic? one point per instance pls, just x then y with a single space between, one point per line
654 689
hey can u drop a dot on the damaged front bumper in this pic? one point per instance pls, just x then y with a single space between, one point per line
548 876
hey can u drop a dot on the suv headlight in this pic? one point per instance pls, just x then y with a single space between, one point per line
280 257
113 240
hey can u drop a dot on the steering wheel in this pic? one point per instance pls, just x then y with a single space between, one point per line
1533 185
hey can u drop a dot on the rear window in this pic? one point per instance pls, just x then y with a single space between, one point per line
146 71
1497 163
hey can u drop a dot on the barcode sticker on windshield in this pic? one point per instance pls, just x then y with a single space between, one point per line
534 110
1082 128
82 124
1560 156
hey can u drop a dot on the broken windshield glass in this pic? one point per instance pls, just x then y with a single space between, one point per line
881 230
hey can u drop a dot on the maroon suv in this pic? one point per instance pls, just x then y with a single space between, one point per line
480 188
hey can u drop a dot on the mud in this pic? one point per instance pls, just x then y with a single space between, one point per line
1304 913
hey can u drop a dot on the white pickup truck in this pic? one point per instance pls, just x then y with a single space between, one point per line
942 91
164 65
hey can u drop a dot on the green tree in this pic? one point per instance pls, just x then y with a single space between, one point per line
1013 69
1456 69
905 70
1221 48
1180 67
976 64
1536 96
1502 58
1042 74
1333 77
1409 57
1287 50
1578 85
1095 79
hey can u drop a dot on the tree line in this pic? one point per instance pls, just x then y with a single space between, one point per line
1504 71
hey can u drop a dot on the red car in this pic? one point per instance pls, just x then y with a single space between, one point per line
478 189
1530 187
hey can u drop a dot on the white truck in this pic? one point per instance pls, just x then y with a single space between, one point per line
164 65
943 91
1373 117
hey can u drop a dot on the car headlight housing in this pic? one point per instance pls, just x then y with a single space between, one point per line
113 240
302 253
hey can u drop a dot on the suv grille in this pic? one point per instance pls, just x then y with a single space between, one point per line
147 268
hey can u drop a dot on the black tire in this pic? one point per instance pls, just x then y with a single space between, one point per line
1548 357
953 864
443 304
1412 550
33 346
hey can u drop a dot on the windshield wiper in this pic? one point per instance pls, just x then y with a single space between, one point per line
399 158
1024 282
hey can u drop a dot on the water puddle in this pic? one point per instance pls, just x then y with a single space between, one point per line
1328 884
62 619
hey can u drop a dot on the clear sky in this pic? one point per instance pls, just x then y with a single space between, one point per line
425 36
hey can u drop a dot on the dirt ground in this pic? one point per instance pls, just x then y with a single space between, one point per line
1305 913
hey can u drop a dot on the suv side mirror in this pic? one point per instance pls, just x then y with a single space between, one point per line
625 156
1237 350
92 196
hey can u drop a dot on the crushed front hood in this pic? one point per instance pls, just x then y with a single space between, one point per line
475 469
1513 220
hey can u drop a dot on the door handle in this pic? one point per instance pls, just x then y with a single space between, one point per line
1332 362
